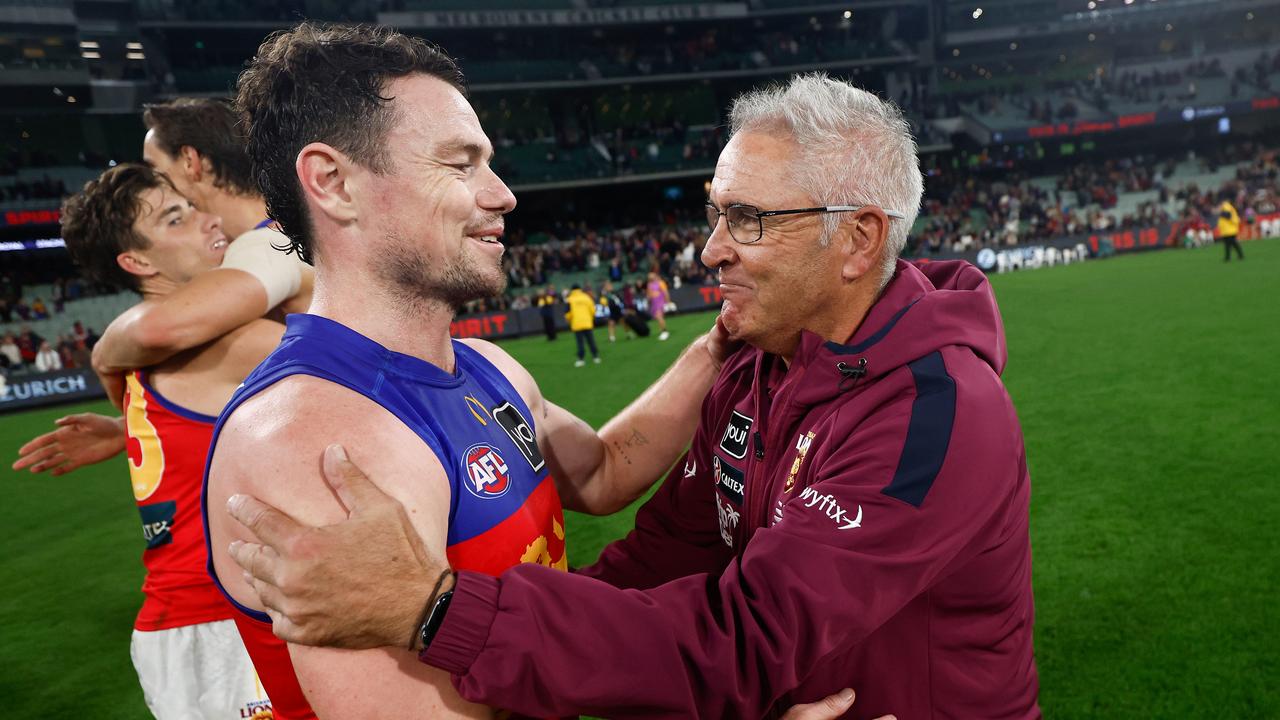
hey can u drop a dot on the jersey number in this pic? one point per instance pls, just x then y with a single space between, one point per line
146 456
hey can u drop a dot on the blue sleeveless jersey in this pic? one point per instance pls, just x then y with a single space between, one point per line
503 509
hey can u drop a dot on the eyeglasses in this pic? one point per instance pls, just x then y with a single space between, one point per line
746 223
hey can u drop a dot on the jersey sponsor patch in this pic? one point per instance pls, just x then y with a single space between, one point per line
729 479
521 433
728 520
488 475
157 522
734 440
478 410
827 504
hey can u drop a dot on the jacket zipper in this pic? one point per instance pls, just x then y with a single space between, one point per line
757 452
761 483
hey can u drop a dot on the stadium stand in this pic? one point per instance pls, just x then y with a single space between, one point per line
963 213
579 104
70 327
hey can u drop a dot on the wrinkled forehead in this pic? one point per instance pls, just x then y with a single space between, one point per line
758 168
431 114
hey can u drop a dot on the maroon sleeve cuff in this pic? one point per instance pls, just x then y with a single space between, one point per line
465 629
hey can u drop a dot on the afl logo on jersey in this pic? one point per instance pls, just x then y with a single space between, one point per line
488 475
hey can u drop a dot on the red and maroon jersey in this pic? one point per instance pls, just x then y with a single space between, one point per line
166 446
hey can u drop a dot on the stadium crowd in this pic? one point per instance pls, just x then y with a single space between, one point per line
1012 209
15 306
962 211
26 350
709 49
604 52
40 188
1016 211
626 150
1163 85
22 349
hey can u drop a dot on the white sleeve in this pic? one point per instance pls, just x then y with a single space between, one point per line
279 272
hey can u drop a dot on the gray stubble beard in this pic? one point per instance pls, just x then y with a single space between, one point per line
410 280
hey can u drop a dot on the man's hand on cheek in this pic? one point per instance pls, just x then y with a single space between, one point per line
720 343
360 583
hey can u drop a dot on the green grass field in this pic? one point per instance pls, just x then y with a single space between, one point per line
1146 390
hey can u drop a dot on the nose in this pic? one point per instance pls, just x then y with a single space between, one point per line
211 223
719 249
494 195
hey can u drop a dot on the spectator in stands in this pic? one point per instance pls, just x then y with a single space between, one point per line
75 289
47 359
39 311
10 354
66 346
10 288
29 344
6 312
22 309
81 355
59 294
79 333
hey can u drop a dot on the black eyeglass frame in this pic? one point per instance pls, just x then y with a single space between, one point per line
760 215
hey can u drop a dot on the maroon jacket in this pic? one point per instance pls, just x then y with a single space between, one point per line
858 520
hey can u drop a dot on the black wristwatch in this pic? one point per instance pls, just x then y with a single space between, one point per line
435 618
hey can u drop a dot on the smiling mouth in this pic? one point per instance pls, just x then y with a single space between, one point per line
219 244
489 239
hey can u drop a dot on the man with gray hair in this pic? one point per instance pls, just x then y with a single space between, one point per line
852 512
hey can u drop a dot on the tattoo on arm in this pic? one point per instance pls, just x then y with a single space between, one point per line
622 453
637 439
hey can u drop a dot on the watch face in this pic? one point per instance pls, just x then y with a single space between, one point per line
435 619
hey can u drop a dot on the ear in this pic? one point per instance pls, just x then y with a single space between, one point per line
325 175
863 242
193 165
135 264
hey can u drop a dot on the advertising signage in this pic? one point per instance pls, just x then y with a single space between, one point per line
1188 113
19 218
39 244
27 391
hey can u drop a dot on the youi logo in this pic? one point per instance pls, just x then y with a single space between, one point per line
734 440
488 475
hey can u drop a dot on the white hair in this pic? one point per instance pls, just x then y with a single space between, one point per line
855 149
